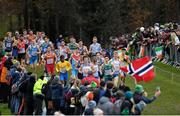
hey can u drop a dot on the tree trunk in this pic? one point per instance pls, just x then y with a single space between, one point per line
26 14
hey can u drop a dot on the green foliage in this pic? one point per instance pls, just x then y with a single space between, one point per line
85 18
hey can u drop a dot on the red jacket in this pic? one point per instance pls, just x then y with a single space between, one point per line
90 79
2 62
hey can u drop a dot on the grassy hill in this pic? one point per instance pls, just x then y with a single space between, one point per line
167 77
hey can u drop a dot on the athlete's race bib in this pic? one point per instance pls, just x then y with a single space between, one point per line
8 45
107 72
22 50
63 70
50 61
33 53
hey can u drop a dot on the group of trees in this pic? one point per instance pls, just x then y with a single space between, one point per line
85 18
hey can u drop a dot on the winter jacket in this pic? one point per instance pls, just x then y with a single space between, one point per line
139 97
57 91
105 105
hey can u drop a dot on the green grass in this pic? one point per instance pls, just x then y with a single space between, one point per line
167 103
4 109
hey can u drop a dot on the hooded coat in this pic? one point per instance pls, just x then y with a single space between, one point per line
106 105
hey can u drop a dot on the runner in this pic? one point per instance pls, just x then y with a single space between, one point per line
82 48
72 45
50 59
15 45
62 67
62 50
85 67
116 67
99 58
95 68
75 62
33 51
31 36
107 70
8 41
94 47
45 45
21 50
40 39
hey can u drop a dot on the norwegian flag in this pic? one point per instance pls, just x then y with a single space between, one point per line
142 69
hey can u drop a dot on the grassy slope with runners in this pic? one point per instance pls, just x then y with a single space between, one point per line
167 103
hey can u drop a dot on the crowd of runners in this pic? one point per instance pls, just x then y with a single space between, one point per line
77 79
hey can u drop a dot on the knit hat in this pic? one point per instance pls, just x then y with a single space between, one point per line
92 104
139 88
93 84
128 95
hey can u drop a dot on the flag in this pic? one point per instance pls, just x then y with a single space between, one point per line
142 69
158 51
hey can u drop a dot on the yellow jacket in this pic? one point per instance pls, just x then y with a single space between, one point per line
38 86
63 66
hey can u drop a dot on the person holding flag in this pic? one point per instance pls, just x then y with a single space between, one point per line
141 69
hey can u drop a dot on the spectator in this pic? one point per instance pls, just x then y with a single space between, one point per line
38 96
57 93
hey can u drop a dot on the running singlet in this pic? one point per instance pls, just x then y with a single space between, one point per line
63 51
44 47
74 61
49 58
95 48
107 69
21 47
96 68
82 50
85 69
72 46
31 38
8 44
33 50
116 64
